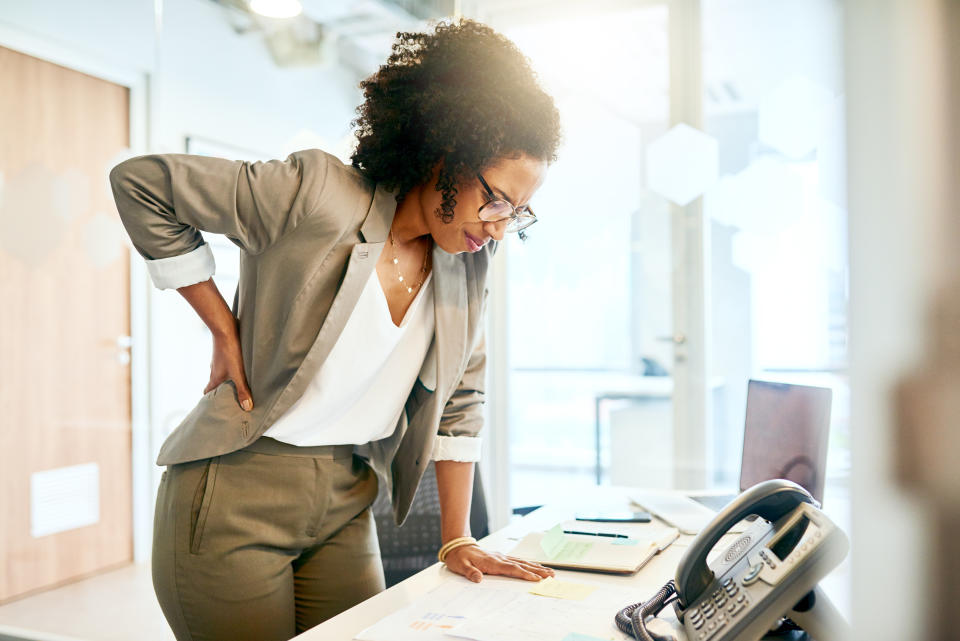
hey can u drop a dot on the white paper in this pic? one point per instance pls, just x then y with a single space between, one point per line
536 618
500 611
433 614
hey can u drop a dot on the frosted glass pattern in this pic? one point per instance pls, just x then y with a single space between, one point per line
682 164
792 116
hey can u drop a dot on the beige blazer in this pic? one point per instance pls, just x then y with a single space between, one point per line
311 229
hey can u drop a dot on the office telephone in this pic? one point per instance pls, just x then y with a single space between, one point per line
770 572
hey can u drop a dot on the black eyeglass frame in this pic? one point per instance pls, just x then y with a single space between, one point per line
522 217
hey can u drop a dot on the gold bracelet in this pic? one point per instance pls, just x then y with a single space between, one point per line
453 544
446 553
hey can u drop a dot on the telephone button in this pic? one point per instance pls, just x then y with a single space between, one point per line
741 598
752 574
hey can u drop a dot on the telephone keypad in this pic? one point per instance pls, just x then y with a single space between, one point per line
707 620
722 606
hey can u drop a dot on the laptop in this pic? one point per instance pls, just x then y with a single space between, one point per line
785 436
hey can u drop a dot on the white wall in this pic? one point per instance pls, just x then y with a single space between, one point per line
207 79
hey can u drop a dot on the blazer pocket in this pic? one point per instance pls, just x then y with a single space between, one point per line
202 497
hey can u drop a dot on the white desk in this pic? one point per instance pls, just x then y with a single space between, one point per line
637 587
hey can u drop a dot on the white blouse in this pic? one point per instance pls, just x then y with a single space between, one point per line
359 391
362 386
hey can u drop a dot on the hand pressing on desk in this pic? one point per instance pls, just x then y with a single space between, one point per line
473 562
460 550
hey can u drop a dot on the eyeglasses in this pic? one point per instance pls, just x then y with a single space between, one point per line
497 209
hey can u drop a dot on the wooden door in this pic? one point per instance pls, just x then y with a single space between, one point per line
65 427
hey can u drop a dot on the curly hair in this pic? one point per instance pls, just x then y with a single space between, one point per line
463 94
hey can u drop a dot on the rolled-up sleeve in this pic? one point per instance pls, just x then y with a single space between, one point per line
186 269
462 419
165 200
457 448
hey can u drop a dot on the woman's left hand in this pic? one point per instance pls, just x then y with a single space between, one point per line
473 562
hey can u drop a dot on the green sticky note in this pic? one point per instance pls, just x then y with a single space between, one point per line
557 547
573 550
552 541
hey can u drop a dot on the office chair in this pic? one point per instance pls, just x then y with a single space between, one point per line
408 549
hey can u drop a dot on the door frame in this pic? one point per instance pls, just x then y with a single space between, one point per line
145 475
690 231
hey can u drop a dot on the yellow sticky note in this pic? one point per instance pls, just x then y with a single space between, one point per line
552 587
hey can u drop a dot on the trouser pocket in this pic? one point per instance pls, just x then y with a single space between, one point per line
202 498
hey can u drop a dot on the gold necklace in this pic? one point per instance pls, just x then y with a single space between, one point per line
396 262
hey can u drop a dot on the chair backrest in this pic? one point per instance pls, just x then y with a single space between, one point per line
413 547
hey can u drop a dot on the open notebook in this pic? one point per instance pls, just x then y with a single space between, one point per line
555 549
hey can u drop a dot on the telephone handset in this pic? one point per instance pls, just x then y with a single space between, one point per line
769 572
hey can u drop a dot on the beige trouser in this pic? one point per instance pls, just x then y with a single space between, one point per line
264 542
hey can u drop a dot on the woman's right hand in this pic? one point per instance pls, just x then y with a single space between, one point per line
227 363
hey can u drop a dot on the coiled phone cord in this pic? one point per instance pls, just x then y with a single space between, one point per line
631 619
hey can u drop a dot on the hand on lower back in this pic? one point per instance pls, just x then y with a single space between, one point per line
227 364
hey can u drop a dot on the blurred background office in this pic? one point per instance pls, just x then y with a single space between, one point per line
744 184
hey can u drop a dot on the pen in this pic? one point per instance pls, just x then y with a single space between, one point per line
610 534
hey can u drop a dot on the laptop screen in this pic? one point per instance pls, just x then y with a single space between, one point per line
785 435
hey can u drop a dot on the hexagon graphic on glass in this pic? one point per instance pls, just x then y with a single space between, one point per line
682 164
791 118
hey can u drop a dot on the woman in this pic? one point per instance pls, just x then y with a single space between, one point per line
355 341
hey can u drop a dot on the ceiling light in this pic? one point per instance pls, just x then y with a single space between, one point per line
276 8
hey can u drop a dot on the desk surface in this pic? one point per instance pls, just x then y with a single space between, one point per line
637 587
